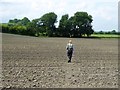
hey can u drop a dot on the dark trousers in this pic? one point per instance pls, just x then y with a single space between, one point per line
69 54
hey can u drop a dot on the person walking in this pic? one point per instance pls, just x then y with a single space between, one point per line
69 49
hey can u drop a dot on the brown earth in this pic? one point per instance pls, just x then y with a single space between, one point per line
32 62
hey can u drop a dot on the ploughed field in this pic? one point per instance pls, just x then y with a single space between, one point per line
33 62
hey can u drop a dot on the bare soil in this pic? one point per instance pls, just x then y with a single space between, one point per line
33 62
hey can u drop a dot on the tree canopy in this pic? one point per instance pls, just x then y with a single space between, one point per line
74 26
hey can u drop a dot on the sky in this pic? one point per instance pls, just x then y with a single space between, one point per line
104 12
119 16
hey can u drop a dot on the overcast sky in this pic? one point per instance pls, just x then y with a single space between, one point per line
104 12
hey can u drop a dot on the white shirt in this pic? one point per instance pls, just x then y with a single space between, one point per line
69 45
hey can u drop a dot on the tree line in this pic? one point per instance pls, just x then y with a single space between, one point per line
108 32
74 26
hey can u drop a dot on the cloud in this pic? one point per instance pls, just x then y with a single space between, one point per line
105 10
119 16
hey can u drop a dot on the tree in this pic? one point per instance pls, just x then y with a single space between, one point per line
22 22
15 21
101 32
25 21
77 25
5 28
32 27
64 26
83 23
48 21
113 32
18 26
73 27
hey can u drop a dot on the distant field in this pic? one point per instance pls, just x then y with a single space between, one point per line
34 62
106 35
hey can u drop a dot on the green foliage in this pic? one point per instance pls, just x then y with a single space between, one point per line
83 23
5 28
108 32
48 21
22 22
25 21
105 35
64 26
75 26
32 28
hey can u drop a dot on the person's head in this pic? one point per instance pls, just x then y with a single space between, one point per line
70 41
